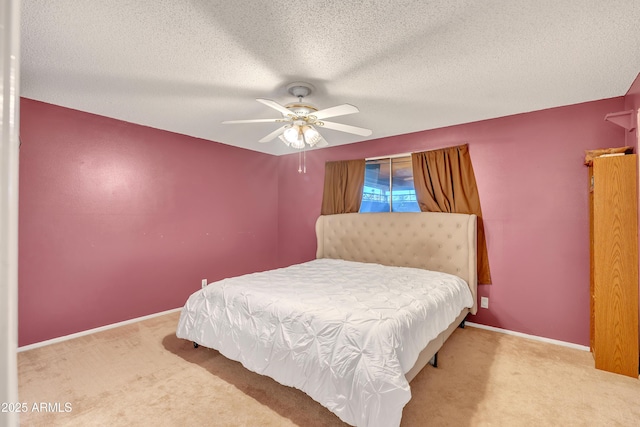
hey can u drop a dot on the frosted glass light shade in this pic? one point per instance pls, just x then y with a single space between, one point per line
283 139
311 135
298 143
296 136
291 134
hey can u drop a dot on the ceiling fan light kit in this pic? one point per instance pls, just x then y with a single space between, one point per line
296 136
300 119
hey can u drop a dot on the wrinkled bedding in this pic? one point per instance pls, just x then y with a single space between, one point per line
343 332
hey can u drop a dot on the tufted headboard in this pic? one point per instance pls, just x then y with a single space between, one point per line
429 240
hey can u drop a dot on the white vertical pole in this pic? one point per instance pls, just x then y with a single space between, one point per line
9 129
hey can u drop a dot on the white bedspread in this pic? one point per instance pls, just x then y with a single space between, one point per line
343 332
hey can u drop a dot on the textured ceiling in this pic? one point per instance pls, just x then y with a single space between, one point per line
185 66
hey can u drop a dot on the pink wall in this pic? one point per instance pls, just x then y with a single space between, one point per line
119 221
533 190
632 102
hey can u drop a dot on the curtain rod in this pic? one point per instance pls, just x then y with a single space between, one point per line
393 156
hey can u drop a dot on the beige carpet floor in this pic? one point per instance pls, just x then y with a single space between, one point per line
142 375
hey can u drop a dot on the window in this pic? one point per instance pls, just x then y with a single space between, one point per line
388 186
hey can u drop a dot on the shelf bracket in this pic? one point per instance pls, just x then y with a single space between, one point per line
625 119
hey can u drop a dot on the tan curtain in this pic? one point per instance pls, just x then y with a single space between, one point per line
444 182
343 184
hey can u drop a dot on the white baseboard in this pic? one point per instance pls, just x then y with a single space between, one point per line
531 337
150 316
91 331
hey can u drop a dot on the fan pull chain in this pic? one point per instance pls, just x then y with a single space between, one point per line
302 157
302 161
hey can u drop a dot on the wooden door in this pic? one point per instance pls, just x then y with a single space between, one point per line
615 264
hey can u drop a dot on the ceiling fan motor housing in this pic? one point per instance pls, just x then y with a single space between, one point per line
300 90
301 110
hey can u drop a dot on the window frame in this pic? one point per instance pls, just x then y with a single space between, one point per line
390 160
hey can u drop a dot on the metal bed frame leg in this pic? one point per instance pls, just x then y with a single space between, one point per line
434 361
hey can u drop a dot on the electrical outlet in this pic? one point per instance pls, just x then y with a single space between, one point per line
204 283
484 302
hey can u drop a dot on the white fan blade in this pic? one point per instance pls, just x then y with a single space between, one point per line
321 143
226 122
345 128
338 110
273 134
275 106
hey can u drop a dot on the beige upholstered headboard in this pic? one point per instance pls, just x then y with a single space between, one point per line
429 240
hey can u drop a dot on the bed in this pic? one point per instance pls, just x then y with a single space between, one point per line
354 326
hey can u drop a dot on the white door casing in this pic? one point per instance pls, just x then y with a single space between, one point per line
9 129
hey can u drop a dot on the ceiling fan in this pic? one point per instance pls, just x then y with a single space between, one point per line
301 119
